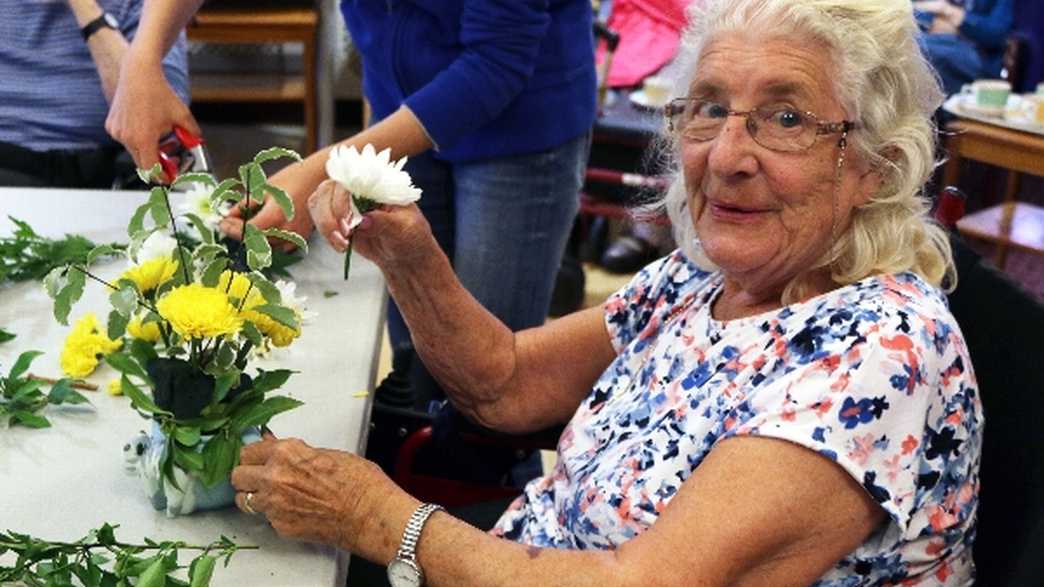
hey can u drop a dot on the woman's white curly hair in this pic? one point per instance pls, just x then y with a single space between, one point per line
883 81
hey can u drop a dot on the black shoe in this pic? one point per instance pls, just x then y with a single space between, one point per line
628 254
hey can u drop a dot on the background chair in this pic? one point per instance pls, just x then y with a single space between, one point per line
1003 327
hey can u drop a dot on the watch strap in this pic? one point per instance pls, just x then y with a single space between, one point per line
410 536
103 21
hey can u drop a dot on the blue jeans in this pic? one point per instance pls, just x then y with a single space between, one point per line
956 59
504 224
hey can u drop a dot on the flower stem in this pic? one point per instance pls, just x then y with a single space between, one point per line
177 237
348 258
141 301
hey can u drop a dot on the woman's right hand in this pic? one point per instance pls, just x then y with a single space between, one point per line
388 236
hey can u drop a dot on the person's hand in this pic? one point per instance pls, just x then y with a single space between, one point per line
948 17
311 494
144 109
389 236
290 179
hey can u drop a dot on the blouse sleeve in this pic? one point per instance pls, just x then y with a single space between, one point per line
895 406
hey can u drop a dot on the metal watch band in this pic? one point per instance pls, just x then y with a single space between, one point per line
408 546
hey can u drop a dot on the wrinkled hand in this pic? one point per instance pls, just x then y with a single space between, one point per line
388 236
271 215
144 109
311 494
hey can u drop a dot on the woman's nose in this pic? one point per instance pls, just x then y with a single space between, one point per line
732 151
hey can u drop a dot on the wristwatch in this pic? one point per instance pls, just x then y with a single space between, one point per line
404 570
106 20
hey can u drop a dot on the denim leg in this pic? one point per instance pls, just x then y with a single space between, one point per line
435 179
513 217
956 60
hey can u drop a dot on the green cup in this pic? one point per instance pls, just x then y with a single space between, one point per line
991 93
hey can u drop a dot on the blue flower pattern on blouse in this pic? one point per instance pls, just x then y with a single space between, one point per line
874 376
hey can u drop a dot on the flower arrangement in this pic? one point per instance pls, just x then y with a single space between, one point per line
373 180
188 315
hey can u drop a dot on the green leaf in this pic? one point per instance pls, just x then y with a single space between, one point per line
289 236
206 252
269 380
225 356
188 459
138 399
204 231
220 455
29 419
100 251
275 153
55 281
252 333
262 413
223 384
259 253
154 576
5 336
151 175
158 207
212 273
124 301
281 198
253 178
62 392
117 325
125 363
280 314
268 289
22 363
201 569
204 178
141 350
225 191
137 221
187 435
69 295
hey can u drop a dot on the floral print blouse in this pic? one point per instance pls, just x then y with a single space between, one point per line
874 376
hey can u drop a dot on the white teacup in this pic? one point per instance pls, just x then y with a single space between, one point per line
657 90
1033 107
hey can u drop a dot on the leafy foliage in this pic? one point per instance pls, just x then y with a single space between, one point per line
100 560
21 397
28 256
5 336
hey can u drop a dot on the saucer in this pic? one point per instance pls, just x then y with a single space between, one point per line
638 98
968 103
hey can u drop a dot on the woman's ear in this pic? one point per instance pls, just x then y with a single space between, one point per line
873 175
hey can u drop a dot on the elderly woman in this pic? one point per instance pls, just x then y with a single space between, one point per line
784 401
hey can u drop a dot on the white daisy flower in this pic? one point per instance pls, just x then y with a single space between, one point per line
197 201
288 291
157 245
371 177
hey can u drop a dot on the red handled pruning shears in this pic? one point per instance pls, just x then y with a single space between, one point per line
183 152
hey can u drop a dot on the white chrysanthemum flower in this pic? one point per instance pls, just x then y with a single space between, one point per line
371 176
288 291
197 201
158 245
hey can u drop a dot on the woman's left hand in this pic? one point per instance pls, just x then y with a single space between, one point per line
307 493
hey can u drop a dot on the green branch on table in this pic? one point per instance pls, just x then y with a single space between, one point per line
21 397
98 559
28 256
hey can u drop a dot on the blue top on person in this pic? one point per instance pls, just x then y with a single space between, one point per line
461 76
965 38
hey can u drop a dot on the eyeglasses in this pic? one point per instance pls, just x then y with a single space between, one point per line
779 129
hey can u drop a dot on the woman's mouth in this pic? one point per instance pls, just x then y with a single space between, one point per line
736 214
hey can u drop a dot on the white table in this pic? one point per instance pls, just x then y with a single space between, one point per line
62 481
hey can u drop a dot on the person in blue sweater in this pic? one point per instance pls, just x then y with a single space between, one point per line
493 102
964 39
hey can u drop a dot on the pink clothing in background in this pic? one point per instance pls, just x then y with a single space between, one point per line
649 34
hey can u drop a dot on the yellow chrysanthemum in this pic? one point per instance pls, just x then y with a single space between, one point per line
147 331
279 334
115 387
240 287
84 346
152 273
195 311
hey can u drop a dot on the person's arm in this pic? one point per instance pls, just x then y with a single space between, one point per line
512 382
401 132
755 511
144 107
989 30
107 46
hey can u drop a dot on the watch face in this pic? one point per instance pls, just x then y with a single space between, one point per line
402 574
111 21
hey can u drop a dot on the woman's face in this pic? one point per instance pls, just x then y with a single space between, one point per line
765 216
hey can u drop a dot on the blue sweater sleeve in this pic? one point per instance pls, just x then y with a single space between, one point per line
989 29
501 40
